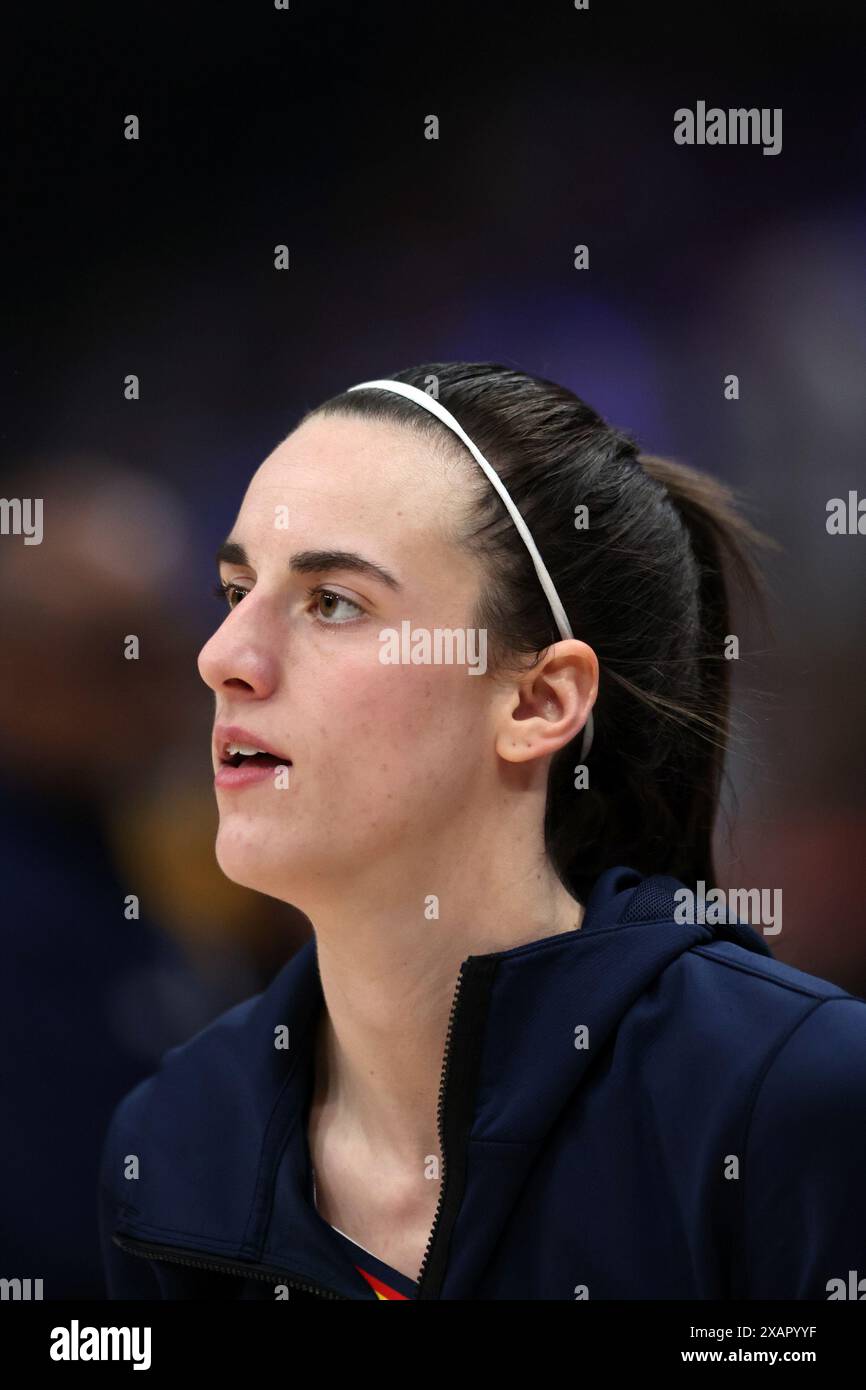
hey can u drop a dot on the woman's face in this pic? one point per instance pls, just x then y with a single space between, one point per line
381 757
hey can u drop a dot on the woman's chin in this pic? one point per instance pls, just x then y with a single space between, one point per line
250 864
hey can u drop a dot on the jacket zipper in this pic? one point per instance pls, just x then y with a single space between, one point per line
478 971
440 1106
216 1262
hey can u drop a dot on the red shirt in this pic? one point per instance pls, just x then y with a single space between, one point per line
383 1280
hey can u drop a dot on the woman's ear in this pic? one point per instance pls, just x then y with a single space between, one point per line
548 705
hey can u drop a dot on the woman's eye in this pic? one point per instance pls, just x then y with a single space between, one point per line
225 589
332 603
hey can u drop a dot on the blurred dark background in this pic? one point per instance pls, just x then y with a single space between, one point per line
155 257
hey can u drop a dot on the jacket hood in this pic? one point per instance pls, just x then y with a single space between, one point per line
220 1130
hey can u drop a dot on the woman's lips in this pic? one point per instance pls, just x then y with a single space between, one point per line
249 772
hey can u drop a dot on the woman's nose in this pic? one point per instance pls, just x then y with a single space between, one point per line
238 657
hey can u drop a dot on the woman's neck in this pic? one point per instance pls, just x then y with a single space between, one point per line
388 981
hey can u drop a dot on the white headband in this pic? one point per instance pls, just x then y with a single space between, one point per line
413 393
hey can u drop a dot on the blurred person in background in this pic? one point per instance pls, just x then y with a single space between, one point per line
103 794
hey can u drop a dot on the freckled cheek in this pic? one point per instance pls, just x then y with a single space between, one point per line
394 712
413 708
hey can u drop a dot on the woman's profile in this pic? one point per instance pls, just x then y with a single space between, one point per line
472 707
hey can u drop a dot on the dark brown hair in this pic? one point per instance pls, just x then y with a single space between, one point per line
645 585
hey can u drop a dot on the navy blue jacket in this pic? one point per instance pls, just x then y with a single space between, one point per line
707 1141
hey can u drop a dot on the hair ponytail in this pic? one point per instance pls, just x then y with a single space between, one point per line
722 542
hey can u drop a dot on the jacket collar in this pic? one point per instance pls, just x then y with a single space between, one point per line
223 1124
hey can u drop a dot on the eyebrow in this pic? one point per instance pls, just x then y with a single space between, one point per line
314 562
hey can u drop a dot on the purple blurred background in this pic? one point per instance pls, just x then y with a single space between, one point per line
155 257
